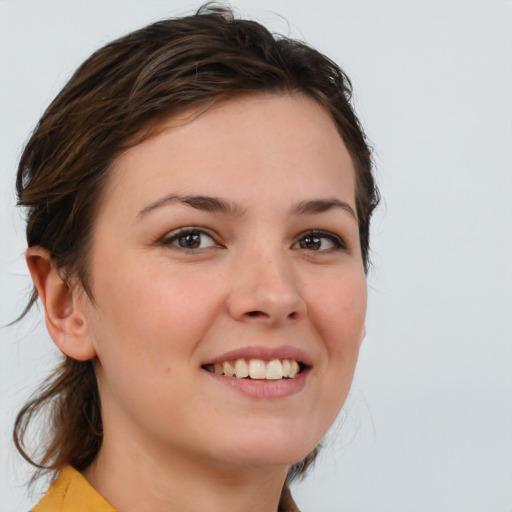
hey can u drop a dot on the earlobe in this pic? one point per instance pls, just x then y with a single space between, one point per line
64 312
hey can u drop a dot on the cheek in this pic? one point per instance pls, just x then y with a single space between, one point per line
340 311
143 312
145 339
337 312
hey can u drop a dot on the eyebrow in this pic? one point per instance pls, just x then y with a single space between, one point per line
204 203
218 205
322 205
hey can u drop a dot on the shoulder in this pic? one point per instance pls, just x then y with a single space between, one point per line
71 492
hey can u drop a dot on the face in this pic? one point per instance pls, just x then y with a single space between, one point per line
229 244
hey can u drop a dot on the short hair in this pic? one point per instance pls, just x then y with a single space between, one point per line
112 102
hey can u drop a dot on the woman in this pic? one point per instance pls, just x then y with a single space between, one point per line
199 197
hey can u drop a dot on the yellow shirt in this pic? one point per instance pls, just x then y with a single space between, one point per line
71 492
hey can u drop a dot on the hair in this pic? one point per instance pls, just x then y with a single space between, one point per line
112 102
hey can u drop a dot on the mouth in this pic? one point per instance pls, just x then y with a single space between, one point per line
257 369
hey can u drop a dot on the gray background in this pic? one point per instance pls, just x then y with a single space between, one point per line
428 425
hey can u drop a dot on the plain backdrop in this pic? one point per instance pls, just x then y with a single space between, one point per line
428 424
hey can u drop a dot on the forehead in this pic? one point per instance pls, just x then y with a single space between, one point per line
265 142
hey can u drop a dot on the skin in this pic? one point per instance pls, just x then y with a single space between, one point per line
174 437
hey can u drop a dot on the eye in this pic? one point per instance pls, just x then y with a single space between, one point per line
319 241
189 238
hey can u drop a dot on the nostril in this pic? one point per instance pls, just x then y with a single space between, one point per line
262 314
256 313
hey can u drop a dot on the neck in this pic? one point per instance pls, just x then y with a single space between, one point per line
139 477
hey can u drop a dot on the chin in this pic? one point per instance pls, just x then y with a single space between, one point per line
265 457
271 446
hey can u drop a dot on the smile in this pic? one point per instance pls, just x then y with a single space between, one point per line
257 369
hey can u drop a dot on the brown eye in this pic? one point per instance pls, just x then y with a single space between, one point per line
310 242
319 241
189 239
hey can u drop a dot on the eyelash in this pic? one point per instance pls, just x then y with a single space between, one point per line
315 235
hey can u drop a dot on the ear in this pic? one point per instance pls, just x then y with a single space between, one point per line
63 306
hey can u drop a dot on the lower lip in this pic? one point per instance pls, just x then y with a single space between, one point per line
264 389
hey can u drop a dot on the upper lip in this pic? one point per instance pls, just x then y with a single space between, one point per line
264 353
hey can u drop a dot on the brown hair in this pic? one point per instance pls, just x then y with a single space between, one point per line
112 102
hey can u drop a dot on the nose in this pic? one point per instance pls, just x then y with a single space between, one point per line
265 290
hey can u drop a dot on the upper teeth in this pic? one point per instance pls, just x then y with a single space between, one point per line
257 369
